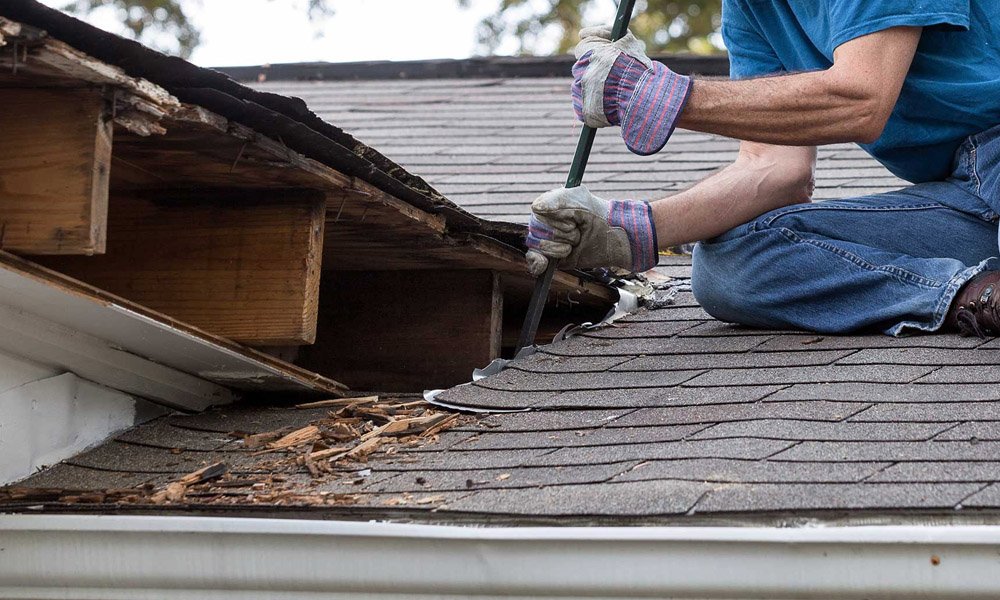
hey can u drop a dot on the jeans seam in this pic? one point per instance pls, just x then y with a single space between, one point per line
901 274
974 165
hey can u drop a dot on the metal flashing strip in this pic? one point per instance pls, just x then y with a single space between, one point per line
90 557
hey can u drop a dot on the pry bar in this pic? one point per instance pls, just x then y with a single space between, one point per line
537 304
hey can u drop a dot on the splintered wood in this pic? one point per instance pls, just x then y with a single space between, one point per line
357 428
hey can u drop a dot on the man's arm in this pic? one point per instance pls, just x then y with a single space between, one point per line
764 177
849 102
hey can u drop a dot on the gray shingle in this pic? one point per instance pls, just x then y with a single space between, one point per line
161 432
988 497
733 448
548 363
450 481
943 412
236 419
722 413
891 451
548 420
669 314
639 498
924 356
475 396
569 438
718 328
130 458
458 460
513 380
714 470
583 346
861 342
983 373
826 374
793 430
832 496
70 477
625 330
971 431
874 392
653 397
750 360
939 472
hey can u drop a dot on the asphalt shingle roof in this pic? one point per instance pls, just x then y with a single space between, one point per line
666 414
492 145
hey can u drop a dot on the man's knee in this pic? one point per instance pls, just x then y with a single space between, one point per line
712 282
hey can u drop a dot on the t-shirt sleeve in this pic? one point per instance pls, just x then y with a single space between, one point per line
850 19
750 55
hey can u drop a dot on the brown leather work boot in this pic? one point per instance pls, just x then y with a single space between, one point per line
976 307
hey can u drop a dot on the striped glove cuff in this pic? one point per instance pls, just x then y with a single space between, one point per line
636 218
646 102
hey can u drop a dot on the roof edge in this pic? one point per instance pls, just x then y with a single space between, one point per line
465 68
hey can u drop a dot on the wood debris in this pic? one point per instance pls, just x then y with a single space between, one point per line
176 490
338 402
290 465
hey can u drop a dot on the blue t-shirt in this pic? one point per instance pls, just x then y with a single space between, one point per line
951 91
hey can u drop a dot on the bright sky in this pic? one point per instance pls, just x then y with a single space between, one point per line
251 32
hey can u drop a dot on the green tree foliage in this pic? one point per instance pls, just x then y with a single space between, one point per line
151 20
665 25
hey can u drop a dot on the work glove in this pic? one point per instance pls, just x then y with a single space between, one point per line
615 83
583 231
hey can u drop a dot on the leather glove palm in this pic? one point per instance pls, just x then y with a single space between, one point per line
583 231
615 83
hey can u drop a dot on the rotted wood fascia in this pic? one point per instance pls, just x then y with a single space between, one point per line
62 58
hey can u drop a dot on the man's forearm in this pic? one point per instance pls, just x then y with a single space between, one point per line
849 102
734 195
806 109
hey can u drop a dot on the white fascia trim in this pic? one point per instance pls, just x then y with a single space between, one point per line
85 557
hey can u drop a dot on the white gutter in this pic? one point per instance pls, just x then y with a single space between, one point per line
89 557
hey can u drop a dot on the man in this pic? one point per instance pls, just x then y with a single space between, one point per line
915 82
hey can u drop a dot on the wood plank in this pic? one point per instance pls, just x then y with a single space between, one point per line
406 331
55 160
242 264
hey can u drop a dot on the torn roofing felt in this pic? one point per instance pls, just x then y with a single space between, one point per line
286 119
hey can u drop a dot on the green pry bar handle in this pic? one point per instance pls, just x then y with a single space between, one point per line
534 315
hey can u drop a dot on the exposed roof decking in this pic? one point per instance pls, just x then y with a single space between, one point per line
492 145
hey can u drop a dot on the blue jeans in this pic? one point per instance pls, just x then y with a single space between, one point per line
891 262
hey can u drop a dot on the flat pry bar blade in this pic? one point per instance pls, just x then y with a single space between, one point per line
541 293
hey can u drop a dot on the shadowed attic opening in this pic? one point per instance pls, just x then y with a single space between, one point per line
218 219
